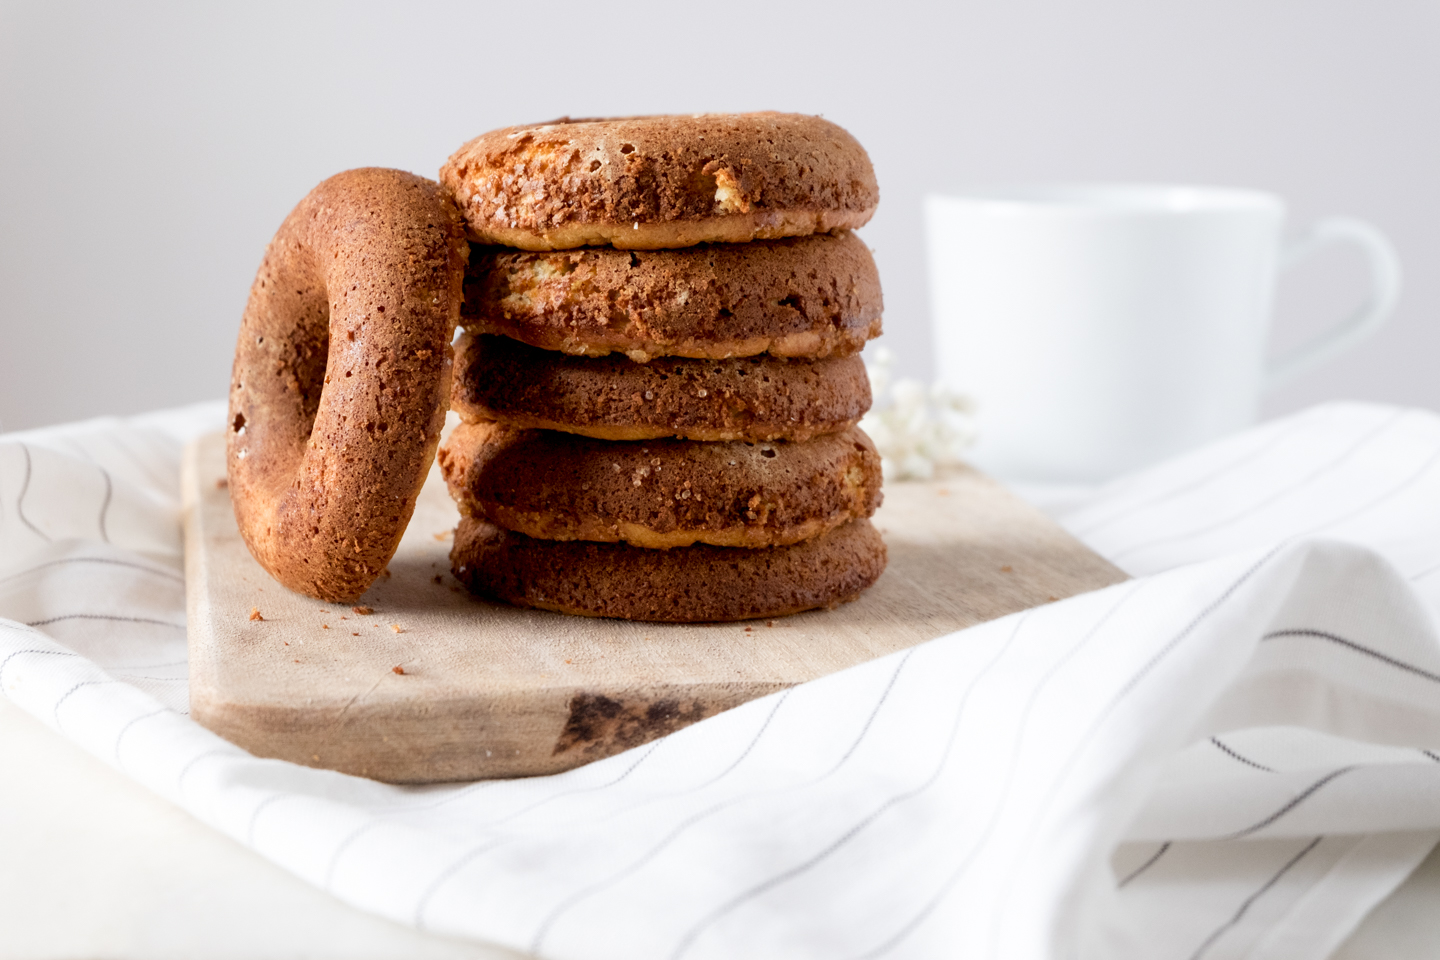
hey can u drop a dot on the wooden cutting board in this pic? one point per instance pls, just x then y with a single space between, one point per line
493 691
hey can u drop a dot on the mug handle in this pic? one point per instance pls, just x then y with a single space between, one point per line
1385 293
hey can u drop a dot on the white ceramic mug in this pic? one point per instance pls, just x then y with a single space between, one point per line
1103 327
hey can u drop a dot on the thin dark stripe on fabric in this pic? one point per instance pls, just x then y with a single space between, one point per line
729 768
686 941
915 921
55 708
190 764
1245 760
1266 501
749 748
420 793
344 845
120 737
585 893
764 726
262 806
1249 901
570 793
1140 870
50 653
24 489
467 858
142 666
109 617
1425 573
421 905
1289 806
1357 647
105 507
1261 449
110 561
1388 495
163 483
1129 686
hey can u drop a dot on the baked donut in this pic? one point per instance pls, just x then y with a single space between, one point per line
647 183
342 377
611 398
805 297
660 494
686 585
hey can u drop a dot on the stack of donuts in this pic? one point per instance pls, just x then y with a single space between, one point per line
659 376
659 371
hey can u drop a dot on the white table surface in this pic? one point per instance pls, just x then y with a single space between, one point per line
94 865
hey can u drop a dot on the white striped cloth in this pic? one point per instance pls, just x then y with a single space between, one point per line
1235 754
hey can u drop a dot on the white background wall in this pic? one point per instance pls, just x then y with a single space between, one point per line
148 151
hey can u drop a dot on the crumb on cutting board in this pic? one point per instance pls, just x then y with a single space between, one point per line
255 614
363 611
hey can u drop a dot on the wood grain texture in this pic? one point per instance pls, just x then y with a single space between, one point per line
493 691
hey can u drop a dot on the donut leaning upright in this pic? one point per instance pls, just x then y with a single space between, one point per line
694 379
342 377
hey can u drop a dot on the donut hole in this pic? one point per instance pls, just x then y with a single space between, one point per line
311 365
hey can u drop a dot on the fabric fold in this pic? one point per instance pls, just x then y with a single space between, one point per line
1231 753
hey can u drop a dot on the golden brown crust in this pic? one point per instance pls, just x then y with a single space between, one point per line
687 585
660 493
342 377
612 398
802 297
736 228
664 181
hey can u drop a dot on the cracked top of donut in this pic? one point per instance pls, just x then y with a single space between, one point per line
805 297
648 183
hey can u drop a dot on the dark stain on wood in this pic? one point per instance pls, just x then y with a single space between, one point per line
599 726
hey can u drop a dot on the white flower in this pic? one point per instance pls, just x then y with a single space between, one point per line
915 428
